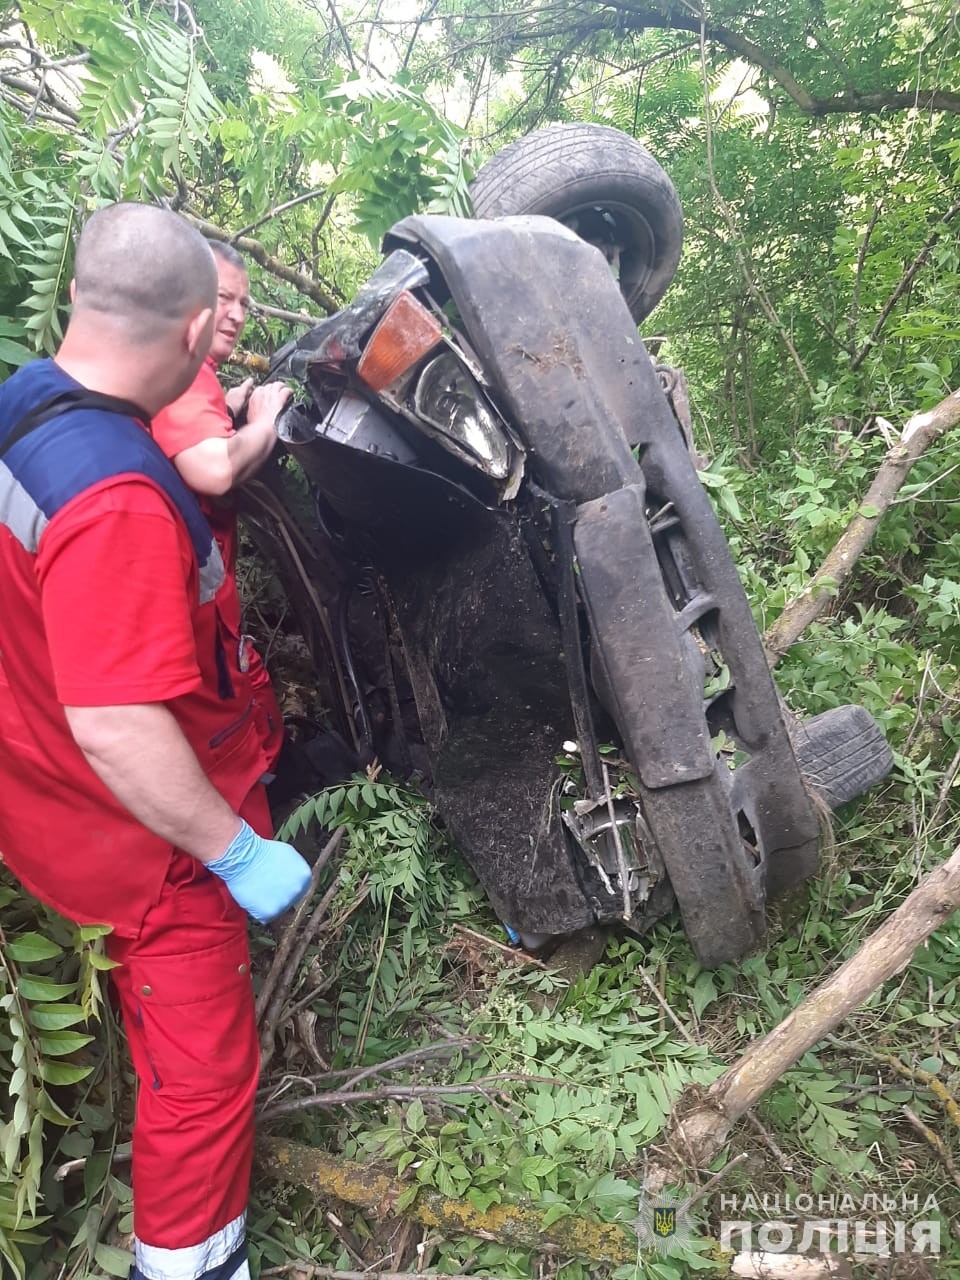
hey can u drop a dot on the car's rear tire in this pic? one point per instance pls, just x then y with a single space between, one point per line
578 172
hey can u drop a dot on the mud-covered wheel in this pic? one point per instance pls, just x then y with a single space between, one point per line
715 875
604 185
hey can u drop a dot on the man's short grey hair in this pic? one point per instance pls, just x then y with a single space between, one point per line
143 265
228 254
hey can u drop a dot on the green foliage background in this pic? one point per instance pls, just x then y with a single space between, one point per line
816 149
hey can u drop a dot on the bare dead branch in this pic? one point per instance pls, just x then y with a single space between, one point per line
280 208
347 46
418 23
701 1131
301 939
277 313
348 1097
518 957
917 435
294 927
38 91
350 1077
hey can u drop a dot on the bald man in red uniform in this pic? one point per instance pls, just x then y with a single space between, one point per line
129 752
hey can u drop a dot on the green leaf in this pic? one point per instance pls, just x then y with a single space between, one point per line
32 988
14 353
482 1200
56 1044
554 1213
54 1017
406 1198
63 1072
116 1262
90 932
28 948
704 992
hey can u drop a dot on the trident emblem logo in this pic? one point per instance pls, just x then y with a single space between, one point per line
665 1221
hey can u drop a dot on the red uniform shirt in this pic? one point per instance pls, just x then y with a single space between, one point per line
107 613
201 414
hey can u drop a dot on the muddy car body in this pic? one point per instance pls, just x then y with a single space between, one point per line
526 559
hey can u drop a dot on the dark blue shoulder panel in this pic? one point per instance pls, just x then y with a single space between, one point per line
81 448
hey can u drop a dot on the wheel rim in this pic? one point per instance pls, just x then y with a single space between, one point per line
630 230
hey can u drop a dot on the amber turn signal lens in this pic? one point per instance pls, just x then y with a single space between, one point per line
402 338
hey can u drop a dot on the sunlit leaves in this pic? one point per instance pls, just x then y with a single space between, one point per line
45 998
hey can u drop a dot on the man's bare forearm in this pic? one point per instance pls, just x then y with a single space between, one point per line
249 449
140 754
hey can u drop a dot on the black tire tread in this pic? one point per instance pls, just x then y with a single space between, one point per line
567 164
842 753
512 181
718 887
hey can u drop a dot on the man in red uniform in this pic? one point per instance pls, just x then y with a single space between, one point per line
197 433
129 754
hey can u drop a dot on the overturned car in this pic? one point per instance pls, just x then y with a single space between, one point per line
516 581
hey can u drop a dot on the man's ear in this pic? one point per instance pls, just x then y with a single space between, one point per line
200 333
73 290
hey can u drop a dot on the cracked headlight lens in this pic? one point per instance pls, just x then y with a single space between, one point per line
449 398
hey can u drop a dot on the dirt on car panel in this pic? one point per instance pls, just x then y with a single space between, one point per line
563 354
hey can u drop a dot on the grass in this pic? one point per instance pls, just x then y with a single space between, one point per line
606 1065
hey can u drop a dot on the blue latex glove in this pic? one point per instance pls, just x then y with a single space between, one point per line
263 876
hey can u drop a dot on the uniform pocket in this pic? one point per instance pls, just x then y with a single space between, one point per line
234 727
196 1017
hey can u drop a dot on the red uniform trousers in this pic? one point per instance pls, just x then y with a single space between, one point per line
266 706
187 1003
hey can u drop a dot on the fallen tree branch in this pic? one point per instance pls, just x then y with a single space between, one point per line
350 1077
344 1097
918 434
278 313
516 1226
915 1075
310 1269
259 253
273 1010
292 931
698 1133
72 1166
935 1141
513 954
